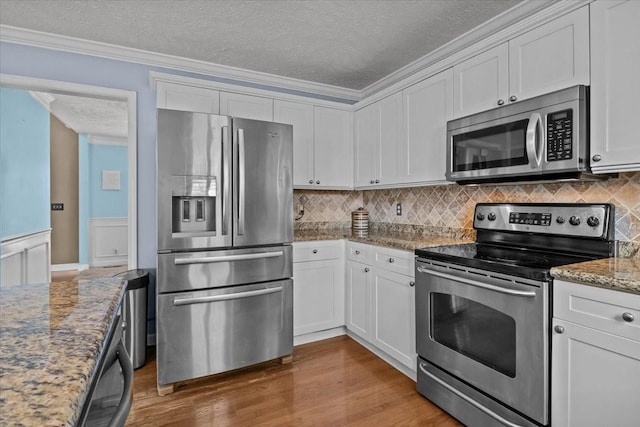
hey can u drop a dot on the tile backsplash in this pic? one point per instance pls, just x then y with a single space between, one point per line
452 205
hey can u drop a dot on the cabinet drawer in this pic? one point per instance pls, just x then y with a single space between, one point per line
598 308
317 250
359 252
394 260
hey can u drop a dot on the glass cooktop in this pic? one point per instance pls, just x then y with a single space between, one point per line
515 261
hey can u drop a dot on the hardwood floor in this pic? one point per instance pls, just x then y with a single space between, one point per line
334 382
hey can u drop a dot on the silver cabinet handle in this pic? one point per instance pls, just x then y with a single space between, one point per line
412 283
225 297
500 101
225 258
559 329
315 251
377 181
241 182
357 252
391 260
596 158
469 400
371 182
310 181
513 98
226 178
478 284
628 317
318 182
366 269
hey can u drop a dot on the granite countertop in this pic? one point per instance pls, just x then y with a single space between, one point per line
621 274
51 337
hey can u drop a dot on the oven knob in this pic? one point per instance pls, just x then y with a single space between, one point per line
480 216
491 217
574 220
560 220
593 221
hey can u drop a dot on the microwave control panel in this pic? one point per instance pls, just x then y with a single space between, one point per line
560 135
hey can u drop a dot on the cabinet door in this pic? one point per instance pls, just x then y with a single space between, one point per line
393 315
388 154
332 148
550 57
615 86
358 298
318 296
595 378
482 82
301 117
187 98
366 145
427 107
246 106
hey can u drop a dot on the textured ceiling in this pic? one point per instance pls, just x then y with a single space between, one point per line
348 43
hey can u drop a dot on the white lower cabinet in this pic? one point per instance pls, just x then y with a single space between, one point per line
380 301
318 286
595 379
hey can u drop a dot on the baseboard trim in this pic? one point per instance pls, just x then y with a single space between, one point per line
319 336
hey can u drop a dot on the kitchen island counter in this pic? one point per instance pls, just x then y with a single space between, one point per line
51 338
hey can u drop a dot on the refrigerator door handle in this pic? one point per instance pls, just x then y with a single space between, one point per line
225 297
225 180
241 181
225 258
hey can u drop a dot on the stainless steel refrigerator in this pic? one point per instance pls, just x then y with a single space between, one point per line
225 227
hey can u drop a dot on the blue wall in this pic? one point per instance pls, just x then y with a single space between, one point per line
24 164
107 203
83 199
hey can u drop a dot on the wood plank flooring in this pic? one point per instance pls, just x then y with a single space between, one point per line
334 382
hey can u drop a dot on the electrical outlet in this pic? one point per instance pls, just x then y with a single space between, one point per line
57 206
398 209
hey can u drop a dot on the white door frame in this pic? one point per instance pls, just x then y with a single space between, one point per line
68 88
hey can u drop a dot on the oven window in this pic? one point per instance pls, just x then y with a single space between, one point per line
494 147
485 335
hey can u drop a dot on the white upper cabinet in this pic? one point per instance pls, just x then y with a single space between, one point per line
482 82
332 148
615 86
550 57
181 97
427 108
301 117
377 141
246 106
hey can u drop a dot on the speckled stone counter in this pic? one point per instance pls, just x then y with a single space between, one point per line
396 238
621 274
51 336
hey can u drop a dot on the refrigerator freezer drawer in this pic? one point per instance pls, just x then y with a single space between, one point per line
207 332
187 271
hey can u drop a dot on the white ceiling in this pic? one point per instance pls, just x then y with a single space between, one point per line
343 43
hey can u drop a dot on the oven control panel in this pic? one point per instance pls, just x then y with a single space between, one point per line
571 219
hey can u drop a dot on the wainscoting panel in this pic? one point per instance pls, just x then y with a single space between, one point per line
26 259
108 242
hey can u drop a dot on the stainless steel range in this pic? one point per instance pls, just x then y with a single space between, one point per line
483 309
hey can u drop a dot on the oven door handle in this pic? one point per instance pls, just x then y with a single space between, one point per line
479 284
467 399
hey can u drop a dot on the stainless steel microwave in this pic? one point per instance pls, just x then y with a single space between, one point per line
542 138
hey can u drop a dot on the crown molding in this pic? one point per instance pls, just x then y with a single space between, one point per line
41 39
107 140
45 99
511 23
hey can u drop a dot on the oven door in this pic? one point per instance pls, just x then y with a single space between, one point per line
489 332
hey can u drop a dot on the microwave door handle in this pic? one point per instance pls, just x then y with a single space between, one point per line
532 145
226 177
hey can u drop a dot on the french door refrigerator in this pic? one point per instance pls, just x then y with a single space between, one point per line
225 227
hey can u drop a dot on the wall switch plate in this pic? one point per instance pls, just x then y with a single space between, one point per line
57 206
398 209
